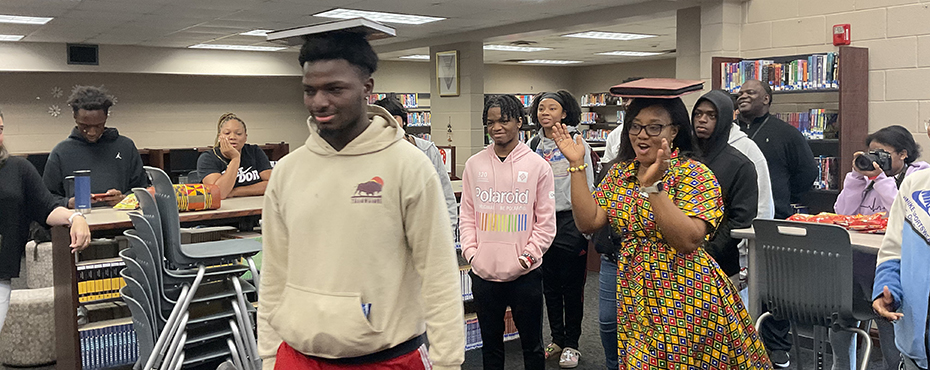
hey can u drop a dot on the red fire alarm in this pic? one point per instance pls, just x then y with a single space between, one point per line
841 34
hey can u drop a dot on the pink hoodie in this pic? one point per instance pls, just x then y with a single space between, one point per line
508 209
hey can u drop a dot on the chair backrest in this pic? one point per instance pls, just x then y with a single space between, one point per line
150 212
805 270
138 292
135 271
148 265
167 201
145 231
145 334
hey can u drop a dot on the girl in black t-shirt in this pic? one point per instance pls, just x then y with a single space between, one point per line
237 168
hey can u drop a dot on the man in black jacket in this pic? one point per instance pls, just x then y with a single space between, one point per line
735 173
793 171
113 160
791 163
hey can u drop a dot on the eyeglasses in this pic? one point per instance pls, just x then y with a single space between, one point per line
651 130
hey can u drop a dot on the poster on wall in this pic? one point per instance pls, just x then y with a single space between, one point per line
447 72
448 159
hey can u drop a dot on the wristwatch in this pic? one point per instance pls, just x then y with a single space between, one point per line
655 188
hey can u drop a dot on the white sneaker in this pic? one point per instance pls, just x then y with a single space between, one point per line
569 359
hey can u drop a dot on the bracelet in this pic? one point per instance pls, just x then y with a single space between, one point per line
529 258
71 218
579 168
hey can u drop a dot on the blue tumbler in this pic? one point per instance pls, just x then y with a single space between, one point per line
82 191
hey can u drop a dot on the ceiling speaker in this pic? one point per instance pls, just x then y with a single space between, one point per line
83 54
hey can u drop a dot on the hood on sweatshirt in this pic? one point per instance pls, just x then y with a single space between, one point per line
110 134
380 134
721 135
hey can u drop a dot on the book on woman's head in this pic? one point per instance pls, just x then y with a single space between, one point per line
659 88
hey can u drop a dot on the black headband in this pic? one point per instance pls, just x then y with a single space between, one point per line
553 96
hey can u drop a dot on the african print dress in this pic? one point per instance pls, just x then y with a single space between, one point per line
674 310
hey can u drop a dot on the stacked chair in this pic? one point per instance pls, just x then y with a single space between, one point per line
187 301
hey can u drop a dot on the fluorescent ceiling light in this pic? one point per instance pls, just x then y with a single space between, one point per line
378 16
416 57
514 48
609 35
631 53
23 20
547 61
11 37
262 33
236 47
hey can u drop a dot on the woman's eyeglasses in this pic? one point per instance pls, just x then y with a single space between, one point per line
651 130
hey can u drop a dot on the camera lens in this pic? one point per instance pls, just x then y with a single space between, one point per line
864 162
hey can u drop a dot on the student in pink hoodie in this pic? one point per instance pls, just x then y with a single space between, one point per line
507 222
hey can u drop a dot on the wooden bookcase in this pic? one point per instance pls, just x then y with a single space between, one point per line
851 99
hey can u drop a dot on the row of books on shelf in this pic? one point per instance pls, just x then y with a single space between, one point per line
526 99
465 282
408 100
108 347
816 72
595 134
418 119
814 124
599 99
99 281
829 170
424 136
589 118
473 330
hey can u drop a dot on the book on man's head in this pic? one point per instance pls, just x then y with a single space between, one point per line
297 35
660 88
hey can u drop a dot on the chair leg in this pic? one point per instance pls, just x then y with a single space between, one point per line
866 350
178 358
177 343
255 276
181 306
246 323
243 354
761 319
234 353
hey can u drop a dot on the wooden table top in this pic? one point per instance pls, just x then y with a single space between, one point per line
109 218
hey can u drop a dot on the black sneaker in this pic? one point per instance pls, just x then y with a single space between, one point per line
780 359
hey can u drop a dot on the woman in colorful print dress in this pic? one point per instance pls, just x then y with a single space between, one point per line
676 308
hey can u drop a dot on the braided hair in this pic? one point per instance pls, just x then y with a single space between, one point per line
219 128
511 107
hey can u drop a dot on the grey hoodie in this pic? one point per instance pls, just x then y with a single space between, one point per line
563 185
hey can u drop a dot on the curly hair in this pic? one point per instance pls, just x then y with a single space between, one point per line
349 46
90 98
511 107
569 106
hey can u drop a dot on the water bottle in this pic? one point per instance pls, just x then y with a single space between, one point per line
82 191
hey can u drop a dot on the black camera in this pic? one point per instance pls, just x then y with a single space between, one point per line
880 156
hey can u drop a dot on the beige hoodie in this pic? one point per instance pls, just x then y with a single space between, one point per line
364 225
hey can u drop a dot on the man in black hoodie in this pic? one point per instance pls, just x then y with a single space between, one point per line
113 160
735 173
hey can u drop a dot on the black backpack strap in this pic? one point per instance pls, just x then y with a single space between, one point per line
534 142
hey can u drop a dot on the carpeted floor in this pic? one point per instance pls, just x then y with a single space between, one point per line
592 357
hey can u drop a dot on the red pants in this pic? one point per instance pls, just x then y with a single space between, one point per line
288 358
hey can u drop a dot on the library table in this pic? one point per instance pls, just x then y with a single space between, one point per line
108 221
865 250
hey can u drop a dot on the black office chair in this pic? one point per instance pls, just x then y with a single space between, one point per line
806 276
181 162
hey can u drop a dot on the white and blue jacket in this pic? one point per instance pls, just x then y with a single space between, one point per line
903 265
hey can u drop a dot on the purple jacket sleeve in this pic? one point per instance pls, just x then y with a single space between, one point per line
847 203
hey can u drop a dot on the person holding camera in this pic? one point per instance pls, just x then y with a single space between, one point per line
876 176
869 188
